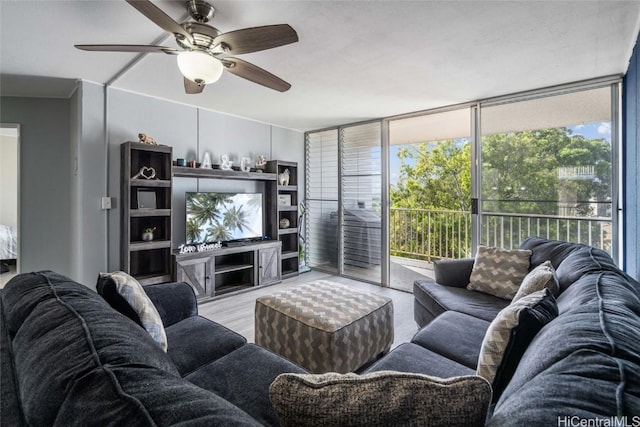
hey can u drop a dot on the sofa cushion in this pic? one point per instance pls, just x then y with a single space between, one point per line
243 377
510 334
68 336
456 336
584 385
542 276
410 357
591 348
24 292
548 250
582 261
143 396
132 293
10 410
499 272
453 272
380 398
174 301
196 341
439 298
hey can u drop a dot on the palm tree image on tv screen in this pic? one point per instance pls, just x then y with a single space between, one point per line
213 217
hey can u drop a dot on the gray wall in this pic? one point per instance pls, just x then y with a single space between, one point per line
89 183
631 164
191 132
68 165
45 178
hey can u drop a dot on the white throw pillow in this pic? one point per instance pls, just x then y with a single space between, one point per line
131 290
543 276
510 334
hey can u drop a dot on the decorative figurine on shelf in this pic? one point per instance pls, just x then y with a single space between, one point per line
261 163
147 236
145 139
283 178
206 161
146 173
284 223
245 164
225 163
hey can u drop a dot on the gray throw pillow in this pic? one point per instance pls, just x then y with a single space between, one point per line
381 398
543 276
499 272
509 336
131 290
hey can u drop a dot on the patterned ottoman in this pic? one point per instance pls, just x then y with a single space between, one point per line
325 327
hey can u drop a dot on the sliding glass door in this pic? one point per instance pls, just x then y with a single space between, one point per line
361 196
547 169
343 201
429 193
387 198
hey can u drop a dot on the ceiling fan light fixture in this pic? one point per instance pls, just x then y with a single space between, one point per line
199 67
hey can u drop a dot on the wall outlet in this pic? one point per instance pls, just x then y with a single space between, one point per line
106 203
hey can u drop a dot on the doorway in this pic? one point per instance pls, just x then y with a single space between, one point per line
10 201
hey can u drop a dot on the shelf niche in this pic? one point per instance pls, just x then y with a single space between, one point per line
289 210
148 261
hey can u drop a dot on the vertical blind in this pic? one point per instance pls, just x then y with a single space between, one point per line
322 199
361 171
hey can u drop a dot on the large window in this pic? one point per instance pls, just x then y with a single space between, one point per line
547 169
429 192
387 198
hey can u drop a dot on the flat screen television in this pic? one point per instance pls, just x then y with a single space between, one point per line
213 217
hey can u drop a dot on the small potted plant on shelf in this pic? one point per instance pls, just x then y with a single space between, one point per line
147 235
302 265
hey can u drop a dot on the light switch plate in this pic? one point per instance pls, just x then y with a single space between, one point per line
106 203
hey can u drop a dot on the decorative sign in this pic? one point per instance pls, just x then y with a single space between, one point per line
146 199
202 247
284 199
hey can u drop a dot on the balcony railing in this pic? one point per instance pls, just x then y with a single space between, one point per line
435 234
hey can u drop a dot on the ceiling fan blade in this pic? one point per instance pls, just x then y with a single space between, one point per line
255 74
161 19
191 87
257 38
126 48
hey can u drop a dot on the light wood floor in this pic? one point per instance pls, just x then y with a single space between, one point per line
236 312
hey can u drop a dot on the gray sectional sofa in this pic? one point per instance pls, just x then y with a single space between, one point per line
584 364
69 358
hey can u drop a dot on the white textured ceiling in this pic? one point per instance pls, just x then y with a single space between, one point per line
356 60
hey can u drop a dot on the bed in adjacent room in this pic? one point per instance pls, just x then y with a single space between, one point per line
8 243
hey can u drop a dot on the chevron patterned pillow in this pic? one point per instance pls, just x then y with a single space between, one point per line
509 336
499 272
131 290
543 276
383 398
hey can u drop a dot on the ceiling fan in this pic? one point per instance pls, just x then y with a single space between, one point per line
206 50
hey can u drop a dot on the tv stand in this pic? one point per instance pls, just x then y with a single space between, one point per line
230 269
